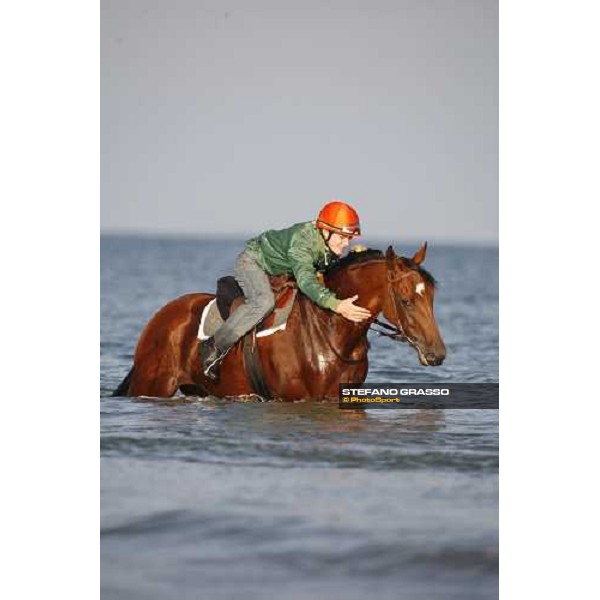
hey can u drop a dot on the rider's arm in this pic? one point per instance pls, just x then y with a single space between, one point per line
301 262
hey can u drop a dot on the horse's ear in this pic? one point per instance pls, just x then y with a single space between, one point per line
419 256
390 254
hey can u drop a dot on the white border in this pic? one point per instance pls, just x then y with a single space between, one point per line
550 412
549 194
50 190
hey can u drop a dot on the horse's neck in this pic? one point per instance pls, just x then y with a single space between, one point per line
368 281
328 330
341 331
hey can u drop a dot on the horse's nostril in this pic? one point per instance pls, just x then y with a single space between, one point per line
433 360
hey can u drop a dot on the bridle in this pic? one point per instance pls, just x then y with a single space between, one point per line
398 335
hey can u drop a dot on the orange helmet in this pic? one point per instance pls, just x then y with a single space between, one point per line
339 217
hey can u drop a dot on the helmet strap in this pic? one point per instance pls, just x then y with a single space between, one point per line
329 234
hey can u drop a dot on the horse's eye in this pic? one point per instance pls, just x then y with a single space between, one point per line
407 303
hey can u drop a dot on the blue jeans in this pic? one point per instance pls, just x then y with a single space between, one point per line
260 301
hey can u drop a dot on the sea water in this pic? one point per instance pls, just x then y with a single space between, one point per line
207 498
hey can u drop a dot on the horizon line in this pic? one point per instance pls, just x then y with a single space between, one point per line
243 236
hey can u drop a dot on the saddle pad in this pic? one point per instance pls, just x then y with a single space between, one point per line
211 319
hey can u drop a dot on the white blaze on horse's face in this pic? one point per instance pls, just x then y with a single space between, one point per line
420 289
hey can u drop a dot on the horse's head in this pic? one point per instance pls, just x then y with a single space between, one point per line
409 305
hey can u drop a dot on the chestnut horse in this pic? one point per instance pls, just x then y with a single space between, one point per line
317 350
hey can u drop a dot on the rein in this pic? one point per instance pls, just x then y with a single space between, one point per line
397 335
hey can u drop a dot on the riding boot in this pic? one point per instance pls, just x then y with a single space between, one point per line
211 357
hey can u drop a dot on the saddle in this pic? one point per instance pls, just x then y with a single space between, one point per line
230 295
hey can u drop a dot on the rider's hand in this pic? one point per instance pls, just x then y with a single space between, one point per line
350 311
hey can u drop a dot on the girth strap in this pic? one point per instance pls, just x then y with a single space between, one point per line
253 366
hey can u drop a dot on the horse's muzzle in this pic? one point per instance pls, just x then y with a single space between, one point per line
433 360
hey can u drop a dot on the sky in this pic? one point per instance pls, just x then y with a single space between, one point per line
233 117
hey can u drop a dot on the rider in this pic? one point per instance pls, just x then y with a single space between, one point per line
300 250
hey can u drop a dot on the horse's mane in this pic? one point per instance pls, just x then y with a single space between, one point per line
355 258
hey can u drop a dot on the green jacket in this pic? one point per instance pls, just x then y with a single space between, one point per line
301 251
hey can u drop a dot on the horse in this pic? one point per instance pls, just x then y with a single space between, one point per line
317 350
